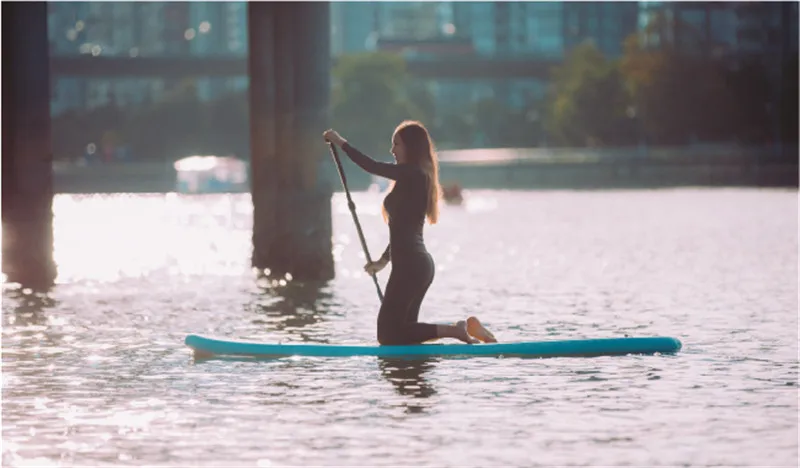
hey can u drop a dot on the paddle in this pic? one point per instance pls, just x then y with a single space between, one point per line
352 207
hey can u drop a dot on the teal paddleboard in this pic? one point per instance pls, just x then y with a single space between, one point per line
208 346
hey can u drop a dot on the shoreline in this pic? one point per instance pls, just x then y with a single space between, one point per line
159 178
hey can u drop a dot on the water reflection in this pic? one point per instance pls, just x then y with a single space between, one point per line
24 307
407 376
294 310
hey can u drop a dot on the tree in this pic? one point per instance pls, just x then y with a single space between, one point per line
681 92
372 94
456 129
789 102
587 103
420 100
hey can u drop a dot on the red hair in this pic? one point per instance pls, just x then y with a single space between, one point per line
420 150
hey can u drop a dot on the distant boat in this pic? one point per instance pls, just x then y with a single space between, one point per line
211 174
452 193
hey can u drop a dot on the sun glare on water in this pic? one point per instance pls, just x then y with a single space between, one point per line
108 237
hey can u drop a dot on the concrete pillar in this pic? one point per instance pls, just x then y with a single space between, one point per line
290 87
263 148
27 155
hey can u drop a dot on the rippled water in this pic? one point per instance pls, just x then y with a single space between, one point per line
95 373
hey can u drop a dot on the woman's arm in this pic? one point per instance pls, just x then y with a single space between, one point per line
390 171
387 254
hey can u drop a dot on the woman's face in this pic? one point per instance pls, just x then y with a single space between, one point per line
398 149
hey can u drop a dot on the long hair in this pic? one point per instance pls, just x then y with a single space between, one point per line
420 150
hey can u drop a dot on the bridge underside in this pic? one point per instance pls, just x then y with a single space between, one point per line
289 69
167 67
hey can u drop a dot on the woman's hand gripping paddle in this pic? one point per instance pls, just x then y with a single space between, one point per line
352 207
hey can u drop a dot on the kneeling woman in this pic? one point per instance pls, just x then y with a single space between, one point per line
414 197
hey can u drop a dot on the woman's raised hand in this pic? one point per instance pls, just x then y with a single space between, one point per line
334 137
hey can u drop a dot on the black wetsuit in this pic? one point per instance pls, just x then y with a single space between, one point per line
412 265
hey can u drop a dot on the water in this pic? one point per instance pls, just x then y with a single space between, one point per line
95 373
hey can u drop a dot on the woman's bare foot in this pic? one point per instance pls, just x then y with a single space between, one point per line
463 334
457 331
476 329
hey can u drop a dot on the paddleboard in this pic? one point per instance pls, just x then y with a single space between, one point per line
209 346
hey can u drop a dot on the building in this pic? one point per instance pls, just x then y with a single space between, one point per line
357 26
524 30
142 29
352 27
766 28
218 28
607 24
67 30
734 30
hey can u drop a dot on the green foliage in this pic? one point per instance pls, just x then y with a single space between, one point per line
372 94
673 93
588 101
501 127
789 101
682 94
455 129
750 114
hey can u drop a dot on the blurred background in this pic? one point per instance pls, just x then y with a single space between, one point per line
702 91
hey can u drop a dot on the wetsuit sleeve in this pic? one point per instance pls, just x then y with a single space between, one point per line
387 254
390 171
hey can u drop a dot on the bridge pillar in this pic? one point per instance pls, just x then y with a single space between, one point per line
289 68
27 191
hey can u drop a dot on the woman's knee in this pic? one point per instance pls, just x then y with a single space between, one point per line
385 338
388 337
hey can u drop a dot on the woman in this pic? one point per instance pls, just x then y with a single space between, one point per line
414 196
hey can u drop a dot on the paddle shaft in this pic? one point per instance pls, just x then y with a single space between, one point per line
352 207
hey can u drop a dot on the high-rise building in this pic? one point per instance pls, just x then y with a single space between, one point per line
764 33
606 24
175 34
66 30
142 29
719 29
526 30
357 26
353 27
766 27
218 28
408 20
544 29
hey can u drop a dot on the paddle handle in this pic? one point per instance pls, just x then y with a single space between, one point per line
352 206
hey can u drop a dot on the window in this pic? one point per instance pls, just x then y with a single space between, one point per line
545 29
484 45
695 19
723 26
